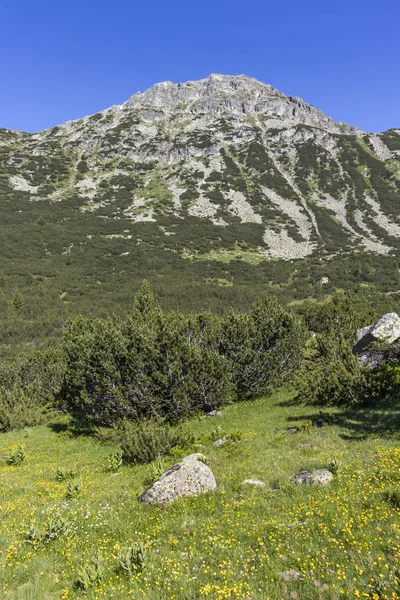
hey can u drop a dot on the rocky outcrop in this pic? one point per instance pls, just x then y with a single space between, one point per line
380 342
319 477
386 329
190 477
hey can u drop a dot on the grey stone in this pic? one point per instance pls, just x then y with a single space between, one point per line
386 329
190 477
255 482
323 281
221 441
318 477
292 574
213 413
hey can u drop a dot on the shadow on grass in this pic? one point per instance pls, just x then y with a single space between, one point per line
70 429
359 422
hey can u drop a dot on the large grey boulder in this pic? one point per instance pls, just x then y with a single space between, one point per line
190 477
318 477
386 329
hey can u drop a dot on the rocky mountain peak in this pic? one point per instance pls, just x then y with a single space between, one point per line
236 96
232 158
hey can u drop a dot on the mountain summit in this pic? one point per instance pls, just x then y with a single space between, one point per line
208 166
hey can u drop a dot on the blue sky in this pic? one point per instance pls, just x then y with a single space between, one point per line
64 59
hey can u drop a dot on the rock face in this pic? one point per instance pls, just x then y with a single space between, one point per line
386 329
190 477
246 160
318 477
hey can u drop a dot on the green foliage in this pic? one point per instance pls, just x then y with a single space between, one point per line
263 347
169 366
335 465
28 387
114 462
150 440
74 489
54 527
331 373
132 561
150 366
20 408
157 468
383 384
16 458
65 474
91 573
216 433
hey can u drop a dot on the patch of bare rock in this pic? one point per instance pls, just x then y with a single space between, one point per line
319 477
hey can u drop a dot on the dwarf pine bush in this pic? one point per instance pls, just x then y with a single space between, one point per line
151 440
170 366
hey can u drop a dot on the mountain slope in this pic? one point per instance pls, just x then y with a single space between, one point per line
229 151
222 181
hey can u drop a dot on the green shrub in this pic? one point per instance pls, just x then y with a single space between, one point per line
149 366
114 462
132 561
155 470
383 384
65 474
54 527
331 373
151 441
20 408
16 458
91 573
263 347
74 489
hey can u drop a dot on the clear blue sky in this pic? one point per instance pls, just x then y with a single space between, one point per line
64 59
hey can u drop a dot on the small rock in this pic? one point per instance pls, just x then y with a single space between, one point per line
323 281
320 422
221 441
190 477
290 575
320 477
214 413
255 482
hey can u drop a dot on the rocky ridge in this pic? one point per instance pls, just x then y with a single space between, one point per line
237 160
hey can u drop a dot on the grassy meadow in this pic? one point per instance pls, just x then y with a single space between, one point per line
343 540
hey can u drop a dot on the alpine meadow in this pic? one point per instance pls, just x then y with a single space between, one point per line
200 352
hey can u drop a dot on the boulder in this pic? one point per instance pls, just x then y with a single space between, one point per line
190 477
386 329
318 477
375 357
255 482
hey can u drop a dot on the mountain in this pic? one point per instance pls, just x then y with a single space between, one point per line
221 181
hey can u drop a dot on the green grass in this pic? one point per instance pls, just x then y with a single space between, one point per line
344 539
